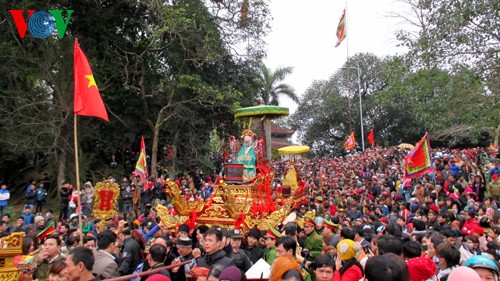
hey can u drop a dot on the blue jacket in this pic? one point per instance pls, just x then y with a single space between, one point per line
41 194
4 193
28 218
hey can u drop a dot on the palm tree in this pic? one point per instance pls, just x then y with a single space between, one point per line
269 91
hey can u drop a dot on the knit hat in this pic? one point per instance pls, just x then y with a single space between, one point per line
463 273
319 220
346 250
280 266
255 233
421 268
39 219
158 277
184 241
231 273
184 228
434 208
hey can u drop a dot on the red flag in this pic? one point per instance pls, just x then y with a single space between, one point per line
88 101
350 143
341 30
371 137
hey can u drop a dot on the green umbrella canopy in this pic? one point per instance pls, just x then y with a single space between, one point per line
267 111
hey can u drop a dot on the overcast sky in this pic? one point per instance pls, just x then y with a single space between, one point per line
304 36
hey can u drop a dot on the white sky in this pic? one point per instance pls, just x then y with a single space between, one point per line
304 36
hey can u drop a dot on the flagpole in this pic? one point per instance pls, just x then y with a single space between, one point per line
77 172
347 59
361 109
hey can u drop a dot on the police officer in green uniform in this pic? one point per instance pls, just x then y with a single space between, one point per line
313 241
329 228
271 236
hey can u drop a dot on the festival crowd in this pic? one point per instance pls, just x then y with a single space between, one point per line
361 220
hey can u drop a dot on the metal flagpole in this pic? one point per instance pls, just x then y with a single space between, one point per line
360 103
361 109
347 77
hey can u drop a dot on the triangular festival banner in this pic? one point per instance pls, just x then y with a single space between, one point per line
419 160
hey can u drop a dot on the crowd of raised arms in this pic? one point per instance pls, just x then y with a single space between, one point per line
370 223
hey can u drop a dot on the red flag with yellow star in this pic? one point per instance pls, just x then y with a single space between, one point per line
88 101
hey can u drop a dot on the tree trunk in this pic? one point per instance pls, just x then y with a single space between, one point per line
495 142
267 128
174 156
61 170
154 152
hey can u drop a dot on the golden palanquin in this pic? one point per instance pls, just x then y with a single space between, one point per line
11 246
231 206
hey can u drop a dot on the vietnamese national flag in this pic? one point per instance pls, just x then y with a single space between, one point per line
88 101
371 137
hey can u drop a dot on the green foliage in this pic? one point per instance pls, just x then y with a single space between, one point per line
270 87
400 104
165 70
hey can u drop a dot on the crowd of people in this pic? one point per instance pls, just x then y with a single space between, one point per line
362 220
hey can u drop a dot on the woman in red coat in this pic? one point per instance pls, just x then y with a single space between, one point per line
347 266
470 223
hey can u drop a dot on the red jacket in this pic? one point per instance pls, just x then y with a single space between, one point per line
469 226
354 273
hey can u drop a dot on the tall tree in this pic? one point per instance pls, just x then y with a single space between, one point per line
183 75
270 86
453 35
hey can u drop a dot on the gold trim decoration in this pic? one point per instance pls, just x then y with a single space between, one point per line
179 202
310 214
110 192
247 132
11 246
168 220
233 208
273 219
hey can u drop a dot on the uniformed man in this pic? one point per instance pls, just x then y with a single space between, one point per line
239 256
329 228
313 241
271 236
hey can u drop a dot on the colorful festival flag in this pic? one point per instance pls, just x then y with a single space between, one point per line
419 160
88 101
350 143
341 30
141 168
371 137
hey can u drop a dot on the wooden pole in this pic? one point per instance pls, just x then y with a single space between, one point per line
145 273
77 172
